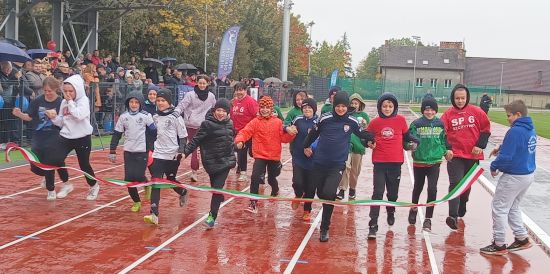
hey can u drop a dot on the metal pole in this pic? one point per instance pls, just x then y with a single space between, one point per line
5 20
414 67
310 45
501 73
119 37
36 29
285 43
205 38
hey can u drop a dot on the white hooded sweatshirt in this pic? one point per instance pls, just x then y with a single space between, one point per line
74 116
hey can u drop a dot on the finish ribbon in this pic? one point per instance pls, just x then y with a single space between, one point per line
465 183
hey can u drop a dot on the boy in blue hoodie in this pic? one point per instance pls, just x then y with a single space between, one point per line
516 160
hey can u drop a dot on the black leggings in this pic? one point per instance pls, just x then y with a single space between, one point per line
457 168
326 183
242 156
217 181
258 169
420 174
135 164
82 147
387 176
303 185
160 168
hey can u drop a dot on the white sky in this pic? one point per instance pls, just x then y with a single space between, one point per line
489 28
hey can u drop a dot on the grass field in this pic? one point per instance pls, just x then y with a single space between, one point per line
96 144
540 119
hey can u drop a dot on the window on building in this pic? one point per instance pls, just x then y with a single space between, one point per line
410 61
539 78
446 61
433 83
448 83
425 62
419 82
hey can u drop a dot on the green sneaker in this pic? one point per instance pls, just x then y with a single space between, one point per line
151 219
148 193
210 221
136 207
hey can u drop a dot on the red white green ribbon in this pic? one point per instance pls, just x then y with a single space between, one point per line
464 184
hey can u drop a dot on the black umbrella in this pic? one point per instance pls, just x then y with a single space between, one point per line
38 53
168 59
9 52
185 66
14 42
153 60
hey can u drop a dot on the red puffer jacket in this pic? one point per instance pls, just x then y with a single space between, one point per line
267 136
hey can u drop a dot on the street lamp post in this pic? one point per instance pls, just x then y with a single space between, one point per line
205 37
416 38
501 73
309 52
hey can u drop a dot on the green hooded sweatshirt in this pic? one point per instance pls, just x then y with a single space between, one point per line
356 146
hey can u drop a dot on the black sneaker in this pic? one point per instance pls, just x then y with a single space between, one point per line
324 235
274 192
412 215
391 218
451 222
340 195
520 245
427 226
351 194
462 210
372 232
494 249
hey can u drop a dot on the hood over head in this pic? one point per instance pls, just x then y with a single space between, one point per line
387 96
78 83
358 97
457 87
134 94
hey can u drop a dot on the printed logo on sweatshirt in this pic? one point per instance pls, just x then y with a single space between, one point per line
387 133
461 123
346 128
532 144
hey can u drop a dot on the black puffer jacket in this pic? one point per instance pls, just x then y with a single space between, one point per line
215 138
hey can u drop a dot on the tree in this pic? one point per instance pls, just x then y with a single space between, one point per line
327 57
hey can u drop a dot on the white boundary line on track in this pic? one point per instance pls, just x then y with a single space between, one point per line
426 235
303 244
70 179
176 236
72 219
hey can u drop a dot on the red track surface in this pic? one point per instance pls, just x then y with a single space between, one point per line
112 238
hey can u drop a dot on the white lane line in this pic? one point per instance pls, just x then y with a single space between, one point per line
426 235
72 219
175 237
70 179
303 244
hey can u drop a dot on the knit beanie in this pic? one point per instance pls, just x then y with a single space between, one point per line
428 103
153 87
166 94
223 103
310 102
266 101
341 97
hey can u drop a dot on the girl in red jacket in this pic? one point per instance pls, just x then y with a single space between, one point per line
266 132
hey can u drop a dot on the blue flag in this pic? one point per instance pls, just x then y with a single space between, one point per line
227 51
333 77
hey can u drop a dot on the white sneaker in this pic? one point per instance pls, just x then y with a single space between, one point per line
93 192
51 196
194 176
65 190
43 183
242 178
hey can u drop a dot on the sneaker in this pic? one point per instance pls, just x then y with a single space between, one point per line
351 194
3 146
307 216
412 215
184 198
451 222
194 176
93 192
520 245
372 232
151 219
462 210
391 218
65 190
136 207
427 226
43 184
252 207
295 204
242 177
51 195
494 249
148 190
324 235
274 192
210 221
340 195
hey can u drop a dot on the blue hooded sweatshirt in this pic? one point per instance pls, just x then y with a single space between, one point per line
303 125
517 152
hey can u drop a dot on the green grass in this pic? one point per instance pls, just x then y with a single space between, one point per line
540 119
96 144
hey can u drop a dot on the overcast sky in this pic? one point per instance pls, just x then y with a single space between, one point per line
489 28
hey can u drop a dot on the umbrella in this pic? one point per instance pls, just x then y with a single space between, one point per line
185 66
272 80
153 60
9 52
168 59
38 53
14 42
